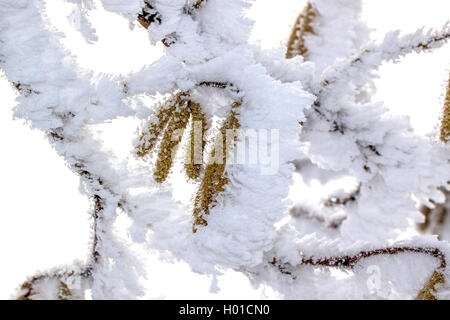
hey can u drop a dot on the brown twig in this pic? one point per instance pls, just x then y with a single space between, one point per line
350 261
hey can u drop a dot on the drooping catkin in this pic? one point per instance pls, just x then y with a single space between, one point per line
156 125
302 27
197 142
215 177
428 292
64 292
445 124
170 141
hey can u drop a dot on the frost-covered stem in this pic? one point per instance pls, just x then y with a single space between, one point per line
215 177
218 85
350 261
436 217
150 15
58 137
392 48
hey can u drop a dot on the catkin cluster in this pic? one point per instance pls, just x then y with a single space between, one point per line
162 133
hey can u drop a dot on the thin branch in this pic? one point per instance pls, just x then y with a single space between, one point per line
350 261
436 218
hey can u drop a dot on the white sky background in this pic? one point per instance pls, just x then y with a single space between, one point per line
44 219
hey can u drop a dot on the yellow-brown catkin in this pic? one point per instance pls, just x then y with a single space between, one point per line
445 125
215 177
302 27
27 287
64 291
155 127
170 141
428 292
192 168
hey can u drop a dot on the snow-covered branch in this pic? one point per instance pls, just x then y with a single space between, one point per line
57 284
428 292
